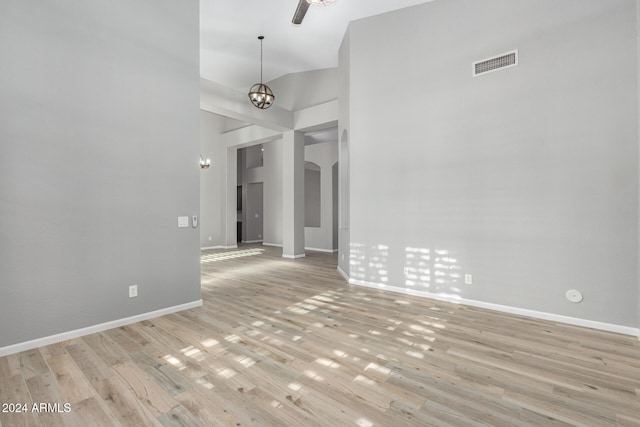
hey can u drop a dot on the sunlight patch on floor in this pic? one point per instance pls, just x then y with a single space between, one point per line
313 375
207 258
422 329
295 386
415 354
340 353
380 369
328 363
365 380
190 351
232 338
245 361
297 310
174 361
209 342
434 324
276 404
227 373
204 384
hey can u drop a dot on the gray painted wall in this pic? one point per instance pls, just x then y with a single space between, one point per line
638 71
334 205
311 197
212 181
273 192
293 194
99 154
253 156
344 105
230 170
254 213
525 178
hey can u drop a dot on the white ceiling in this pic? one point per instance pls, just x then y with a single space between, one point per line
229 30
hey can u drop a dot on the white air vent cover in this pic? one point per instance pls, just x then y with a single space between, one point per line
495 63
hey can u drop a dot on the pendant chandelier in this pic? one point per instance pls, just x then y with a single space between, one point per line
260 94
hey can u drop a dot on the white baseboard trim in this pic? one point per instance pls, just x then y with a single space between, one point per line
610 327
230 247
252 241
52 339
329 251
211 247
277 245
343 274
293 256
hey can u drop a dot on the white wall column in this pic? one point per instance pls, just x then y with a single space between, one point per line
293 195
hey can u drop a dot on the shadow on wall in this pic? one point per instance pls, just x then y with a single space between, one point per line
425 270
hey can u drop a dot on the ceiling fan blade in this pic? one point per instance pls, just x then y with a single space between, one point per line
301 10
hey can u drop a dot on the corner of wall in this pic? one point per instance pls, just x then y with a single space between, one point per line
638 139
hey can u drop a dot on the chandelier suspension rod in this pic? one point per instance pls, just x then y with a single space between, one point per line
261 38
260 94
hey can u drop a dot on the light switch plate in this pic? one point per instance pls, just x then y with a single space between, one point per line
183 221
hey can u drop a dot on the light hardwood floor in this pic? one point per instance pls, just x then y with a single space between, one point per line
289 343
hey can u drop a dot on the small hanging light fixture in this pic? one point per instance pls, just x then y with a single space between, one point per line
260 94
204 164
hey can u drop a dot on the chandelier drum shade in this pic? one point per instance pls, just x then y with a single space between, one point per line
260 94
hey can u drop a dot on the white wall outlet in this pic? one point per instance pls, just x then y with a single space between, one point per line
194 221
133 291
209 238
468 279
